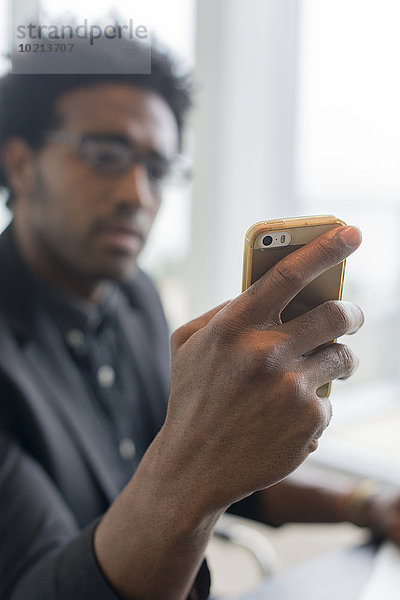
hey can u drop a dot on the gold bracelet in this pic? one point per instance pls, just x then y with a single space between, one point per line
359 499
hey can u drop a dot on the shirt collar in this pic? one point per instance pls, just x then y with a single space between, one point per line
70 312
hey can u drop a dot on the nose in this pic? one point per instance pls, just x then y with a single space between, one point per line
133 188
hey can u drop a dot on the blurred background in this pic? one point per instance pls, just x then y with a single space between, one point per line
296 112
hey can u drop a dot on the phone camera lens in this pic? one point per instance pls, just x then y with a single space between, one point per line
267 240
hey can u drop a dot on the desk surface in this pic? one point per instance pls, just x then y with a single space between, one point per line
339 575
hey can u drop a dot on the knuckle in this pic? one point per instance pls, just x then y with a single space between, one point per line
286 276
346 358
221 330
178 336
260 358
327 247
320 415
338 316
295 386
313 446
257 359
271 354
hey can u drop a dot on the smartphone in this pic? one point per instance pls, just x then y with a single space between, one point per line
268 242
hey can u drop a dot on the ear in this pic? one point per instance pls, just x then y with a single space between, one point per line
18 164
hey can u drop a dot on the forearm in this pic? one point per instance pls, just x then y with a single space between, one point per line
149 545
151 542
294 500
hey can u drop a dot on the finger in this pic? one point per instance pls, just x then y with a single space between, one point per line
181 335
267 297
322 324
336 361
325 409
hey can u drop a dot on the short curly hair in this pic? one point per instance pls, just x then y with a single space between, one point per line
27 100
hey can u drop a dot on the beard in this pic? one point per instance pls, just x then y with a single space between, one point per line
66 252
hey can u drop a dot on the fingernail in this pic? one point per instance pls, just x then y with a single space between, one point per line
351 236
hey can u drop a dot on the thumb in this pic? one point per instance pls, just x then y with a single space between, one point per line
181 335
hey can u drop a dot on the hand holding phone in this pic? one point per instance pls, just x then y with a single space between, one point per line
267 242
243 410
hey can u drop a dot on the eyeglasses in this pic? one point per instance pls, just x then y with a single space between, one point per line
115 155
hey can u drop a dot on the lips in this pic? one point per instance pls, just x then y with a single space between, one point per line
121 237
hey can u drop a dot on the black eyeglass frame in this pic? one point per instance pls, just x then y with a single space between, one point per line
176 171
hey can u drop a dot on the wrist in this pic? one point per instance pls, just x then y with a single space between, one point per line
156 524
180 479
354 504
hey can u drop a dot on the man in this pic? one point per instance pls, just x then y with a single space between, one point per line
84 357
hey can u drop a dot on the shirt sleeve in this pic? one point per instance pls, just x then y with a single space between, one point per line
250 508
43 554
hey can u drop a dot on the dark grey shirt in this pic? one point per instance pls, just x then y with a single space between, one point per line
51 490
94 338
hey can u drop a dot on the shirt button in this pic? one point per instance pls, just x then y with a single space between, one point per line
74 338
94 320
106 376
127 448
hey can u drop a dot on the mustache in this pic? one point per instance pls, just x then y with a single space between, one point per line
127 219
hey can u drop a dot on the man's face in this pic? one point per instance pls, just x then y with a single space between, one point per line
89 222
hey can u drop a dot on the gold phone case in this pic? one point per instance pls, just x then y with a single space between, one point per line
258 259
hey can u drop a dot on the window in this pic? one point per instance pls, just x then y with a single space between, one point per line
347 163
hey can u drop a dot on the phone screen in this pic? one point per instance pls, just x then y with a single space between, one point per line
326 287
258 259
